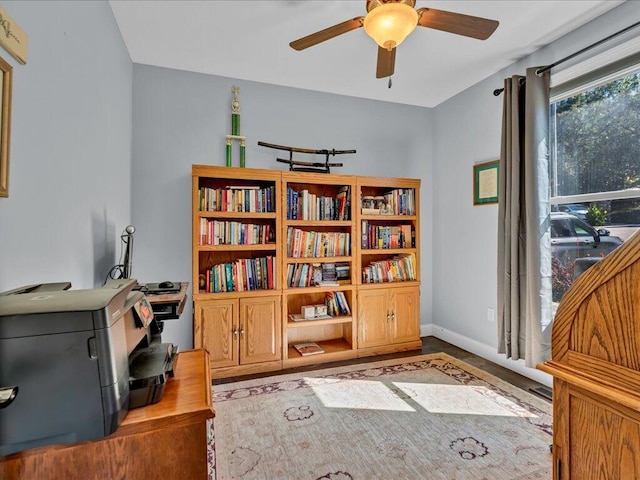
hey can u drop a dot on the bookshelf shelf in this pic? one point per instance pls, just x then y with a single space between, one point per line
386 251
318 223
334 350
389 218
237 248
237 215
369 286
318 259
315 323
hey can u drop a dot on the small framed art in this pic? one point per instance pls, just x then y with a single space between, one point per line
485 182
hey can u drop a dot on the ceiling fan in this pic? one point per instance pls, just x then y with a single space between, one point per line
389 22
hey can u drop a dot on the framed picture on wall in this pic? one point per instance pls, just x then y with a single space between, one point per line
485 182
6 74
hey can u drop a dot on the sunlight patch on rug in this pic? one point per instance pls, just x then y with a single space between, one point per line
462 400
358 394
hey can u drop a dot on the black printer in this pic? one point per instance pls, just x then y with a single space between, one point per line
73 362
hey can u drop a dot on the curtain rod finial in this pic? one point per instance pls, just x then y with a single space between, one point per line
498 91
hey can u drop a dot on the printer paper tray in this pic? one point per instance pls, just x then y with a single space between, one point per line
147 373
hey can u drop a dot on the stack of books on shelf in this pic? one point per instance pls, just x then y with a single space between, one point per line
304 244
217 232
239 198
315 274
400 268
343 272
305 205
329 274
337 304
383 236
241 275
401 201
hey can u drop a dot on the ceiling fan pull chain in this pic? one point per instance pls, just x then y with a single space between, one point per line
389 86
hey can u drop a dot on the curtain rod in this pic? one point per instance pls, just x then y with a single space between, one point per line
498 91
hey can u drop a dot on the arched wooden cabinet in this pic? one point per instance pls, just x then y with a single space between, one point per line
596 368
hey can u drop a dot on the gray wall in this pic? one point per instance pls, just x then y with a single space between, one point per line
182 118
467 131
70 162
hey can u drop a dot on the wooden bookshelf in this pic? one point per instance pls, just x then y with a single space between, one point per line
236 287
389 302
315 222
337 338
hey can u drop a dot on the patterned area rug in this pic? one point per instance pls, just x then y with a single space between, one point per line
425 417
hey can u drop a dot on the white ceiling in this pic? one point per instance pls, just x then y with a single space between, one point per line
249 40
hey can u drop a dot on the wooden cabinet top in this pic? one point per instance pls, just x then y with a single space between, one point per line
186 397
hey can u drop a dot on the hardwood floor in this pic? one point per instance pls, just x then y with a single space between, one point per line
429 345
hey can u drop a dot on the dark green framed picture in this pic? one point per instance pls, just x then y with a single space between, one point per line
485 182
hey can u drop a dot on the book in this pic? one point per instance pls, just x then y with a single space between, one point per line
309 348
370 211
298 317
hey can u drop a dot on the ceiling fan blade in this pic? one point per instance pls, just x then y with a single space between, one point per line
327 33
386 62
458 23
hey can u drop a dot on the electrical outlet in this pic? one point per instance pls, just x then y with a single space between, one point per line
491 315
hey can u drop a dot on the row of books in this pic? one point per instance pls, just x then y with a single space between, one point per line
400 268
316 274
337 304
304 205
383 236
242 275
400 201
220 232
237 199
302 243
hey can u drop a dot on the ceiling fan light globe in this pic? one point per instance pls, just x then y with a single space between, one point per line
389 24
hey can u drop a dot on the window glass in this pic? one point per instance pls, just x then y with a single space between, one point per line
595 174
561 228
582 231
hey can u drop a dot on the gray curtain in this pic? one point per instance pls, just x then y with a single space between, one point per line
524 247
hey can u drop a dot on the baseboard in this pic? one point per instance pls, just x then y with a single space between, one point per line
487 352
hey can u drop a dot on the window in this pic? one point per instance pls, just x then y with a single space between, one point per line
595 169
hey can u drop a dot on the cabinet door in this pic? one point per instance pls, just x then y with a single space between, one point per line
405 319
373 317
260 329
216 330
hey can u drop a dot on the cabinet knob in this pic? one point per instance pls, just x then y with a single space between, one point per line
242 331
235 331
393 316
